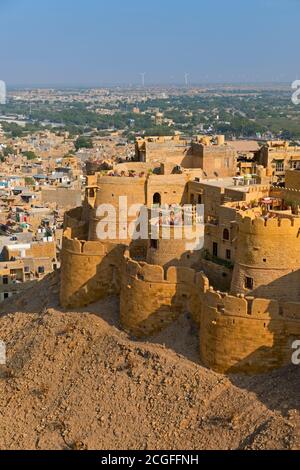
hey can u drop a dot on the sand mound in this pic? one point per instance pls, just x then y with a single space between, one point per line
74 380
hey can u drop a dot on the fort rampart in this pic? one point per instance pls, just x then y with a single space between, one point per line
247 335
152 298
268 258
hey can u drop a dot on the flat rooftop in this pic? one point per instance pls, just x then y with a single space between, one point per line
227 183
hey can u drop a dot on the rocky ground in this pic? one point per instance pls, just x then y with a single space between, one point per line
74 380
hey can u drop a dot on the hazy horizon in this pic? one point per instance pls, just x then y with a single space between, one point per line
96 44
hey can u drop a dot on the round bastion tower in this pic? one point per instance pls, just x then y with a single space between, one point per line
111 189
268 258
172 251
91 266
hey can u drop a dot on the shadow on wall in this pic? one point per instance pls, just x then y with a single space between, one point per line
285 289
277 351
247 335
152 298
91 278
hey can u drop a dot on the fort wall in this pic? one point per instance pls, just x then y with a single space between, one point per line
247 336
220 276
90 271
111 189
172 247
75 223
237 333
268 258
151 299
172 189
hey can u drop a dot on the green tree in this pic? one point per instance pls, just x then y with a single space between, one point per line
29 181
30 155
8 151
83 142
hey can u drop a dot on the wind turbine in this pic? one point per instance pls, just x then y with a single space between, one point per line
143 74
186 79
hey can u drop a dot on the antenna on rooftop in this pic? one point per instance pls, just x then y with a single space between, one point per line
143 74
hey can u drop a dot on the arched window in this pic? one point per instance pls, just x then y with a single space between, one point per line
157 198
226 234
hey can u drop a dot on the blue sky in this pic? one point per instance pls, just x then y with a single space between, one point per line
96 42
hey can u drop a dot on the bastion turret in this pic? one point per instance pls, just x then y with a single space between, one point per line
268 257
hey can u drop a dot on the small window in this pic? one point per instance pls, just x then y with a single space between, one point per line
154 244
228 254
226 234
6 295
41 270
280 166
5 280
215 249
249 283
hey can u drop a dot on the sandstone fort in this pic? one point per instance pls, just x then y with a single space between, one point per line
242 289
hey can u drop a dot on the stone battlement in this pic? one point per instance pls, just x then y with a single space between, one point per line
152 298
174 275
240 335
83 247
251 308
253 224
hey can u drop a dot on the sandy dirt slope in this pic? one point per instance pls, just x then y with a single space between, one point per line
74 380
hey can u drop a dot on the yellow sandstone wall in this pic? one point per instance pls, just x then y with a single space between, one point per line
110 190
74 221
269 253
90 271
172 247
173 189
150 300
240 336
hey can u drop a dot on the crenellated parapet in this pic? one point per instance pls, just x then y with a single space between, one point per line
90 271
152 298
267 257
251 223
240 335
